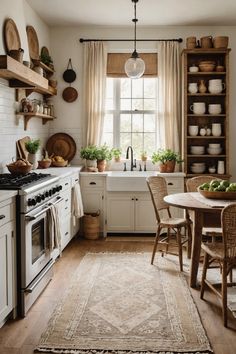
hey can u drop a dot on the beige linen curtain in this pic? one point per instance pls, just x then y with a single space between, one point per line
95 63
169 81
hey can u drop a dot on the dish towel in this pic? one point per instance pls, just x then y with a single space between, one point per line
77 203
54 228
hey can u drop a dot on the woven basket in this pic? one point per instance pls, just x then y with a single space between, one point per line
191 42
221 42
91 225
17 54
19 170
206 42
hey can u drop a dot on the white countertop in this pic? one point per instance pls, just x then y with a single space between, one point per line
4 195
60 171
135 173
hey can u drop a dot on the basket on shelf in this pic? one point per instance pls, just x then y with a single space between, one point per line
17 54
220 42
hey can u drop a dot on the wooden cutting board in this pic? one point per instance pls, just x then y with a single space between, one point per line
20 144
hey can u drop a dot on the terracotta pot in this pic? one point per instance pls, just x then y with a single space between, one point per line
101 165
167 167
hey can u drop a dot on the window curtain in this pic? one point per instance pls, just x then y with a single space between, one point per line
169 100
95 66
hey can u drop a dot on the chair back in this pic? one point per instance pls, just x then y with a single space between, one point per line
193 183
228 223
158 190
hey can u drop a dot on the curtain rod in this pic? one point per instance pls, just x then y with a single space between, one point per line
82 40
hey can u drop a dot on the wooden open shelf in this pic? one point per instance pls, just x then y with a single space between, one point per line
22 77
27 116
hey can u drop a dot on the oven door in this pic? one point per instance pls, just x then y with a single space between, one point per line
35 253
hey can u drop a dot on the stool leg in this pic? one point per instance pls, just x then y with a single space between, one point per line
224 293
180 249
155 243
204 272
168 240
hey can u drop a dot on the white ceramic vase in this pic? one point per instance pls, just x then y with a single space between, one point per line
32 158
216 129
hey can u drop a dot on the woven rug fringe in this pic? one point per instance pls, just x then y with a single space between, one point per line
94 351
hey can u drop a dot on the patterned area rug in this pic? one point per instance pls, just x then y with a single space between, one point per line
118 303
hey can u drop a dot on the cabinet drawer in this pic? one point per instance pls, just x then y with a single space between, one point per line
92 182
175 184
66 183
7 212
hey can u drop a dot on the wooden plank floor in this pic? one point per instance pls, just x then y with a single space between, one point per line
22 335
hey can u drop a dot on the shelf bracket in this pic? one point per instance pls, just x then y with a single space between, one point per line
26 120
45 120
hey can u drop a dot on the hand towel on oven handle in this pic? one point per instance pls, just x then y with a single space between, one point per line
54 228
77 203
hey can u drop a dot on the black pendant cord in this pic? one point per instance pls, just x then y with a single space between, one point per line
135 20
84 40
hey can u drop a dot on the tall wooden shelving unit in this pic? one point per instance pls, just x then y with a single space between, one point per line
194 56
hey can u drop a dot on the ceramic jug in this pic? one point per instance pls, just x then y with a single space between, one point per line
216 129
202 87
216 86
198 107
192 87
221 167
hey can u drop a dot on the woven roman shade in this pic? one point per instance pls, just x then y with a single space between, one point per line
116 64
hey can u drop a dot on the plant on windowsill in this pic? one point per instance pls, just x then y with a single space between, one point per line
103 155
167 159
116 153
89 153
32 147
143 156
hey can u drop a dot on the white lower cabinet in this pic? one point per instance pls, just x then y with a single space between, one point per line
130 212
93 195
7 259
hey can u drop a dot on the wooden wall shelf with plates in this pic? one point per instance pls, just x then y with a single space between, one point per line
27 116
22 77
193 117
49 71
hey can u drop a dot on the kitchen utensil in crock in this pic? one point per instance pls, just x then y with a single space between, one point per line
32 42
11 35
69 94
69 75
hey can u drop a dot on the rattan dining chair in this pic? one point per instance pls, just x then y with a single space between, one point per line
158 189
191 185
225 254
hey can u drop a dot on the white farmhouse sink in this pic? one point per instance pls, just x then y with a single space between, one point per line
121 181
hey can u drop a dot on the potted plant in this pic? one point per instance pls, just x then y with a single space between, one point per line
103 154
143 156
89 153
116 152
167 159
32 147
46 59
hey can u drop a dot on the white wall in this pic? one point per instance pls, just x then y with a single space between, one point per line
12 128
65 44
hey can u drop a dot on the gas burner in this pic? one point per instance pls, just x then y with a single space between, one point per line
9 181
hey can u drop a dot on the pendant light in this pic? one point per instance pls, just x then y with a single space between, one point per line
134 66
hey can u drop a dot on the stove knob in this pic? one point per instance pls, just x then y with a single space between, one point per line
54 190
60 188
50 192
31 202
47 194
38 198
43 196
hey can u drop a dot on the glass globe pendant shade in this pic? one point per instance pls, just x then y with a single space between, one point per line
134 67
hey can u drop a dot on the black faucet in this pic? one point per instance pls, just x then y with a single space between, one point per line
132 163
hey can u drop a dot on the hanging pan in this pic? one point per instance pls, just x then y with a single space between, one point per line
69 94
69 75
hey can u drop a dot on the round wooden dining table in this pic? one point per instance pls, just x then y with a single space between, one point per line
203 216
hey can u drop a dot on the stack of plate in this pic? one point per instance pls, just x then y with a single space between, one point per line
198 167
197 150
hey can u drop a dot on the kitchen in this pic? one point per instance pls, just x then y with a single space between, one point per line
70 121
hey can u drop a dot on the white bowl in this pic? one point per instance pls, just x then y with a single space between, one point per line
197 150
198 169
193 130
214 146
212 151
200 164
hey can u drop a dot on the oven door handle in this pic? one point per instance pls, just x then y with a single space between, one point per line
35 216
35 283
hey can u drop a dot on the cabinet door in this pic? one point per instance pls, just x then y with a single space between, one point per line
145 219
93 200
6 270
65 231
120 212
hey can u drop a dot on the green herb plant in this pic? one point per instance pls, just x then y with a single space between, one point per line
103 152
32 146
89 152
164 155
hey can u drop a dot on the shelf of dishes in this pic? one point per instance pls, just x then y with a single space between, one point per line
216 166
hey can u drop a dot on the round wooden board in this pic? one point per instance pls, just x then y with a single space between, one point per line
32 42
61 144
218 195
69 94
45 51
11 35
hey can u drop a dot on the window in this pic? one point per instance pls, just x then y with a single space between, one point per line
131 114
